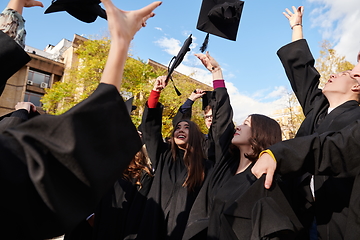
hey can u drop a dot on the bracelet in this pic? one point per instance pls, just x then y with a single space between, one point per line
268 151
296 24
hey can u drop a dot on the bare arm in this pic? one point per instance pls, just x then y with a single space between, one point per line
295 20
123 26
18 5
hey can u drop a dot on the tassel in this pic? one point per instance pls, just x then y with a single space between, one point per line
205 43
176 90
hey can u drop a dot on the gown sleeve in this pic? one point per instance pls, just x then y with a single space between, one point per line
222 128
150 127
298 63
69 161
184 112
329 153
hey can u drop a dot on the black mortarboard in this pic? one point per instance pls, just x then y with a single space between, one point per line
12 58
220 18
206 99
175 61
84 10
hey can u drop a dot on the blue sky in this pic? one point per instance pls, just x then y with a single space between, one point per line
254 76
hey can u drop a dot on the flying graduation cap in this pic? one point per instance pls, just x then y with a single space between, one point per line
220 18
175 61
84 10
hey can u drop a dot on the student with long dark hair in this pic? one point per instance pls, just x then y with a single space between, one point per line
180 169
235 150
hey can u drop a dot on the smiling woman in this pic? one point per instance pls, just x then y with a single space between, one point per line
180 169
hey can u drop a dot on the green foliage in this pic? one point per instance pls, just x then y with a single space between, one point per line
81 80
330 62
138 79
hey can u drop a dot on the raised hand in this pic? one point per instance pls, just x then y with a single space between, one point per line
32 3
295 17
196 94
18 5
125 24
160 83
209 62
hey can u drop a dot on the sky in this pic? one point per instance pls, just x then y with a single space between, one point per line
253 73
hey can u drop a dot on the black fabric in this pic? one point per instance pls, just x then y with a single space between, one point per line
84 10
224 195
169 203
15 118
118 216
258 213
220 17
219 139
55 169
12 58
332 194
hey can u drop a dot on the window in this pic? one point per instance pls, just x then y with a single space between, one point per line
33 97
37 77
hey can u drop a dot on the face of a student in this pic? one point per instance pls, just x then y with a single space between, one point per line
355 73
242 133
181 134
208 118
341 82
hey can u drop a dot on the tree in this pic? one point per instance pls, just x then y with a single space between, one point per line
330 62
291 117
83 78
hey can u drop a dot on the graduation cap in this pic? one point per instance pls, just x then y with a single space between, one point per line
220 18
175 61
206 99
84 10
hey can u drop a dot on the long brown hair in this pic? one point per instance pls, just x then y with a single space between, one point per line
138 164
265 132
193 157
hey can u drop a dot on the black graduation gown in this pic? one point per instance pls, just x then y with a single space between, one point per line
169 203
15 118
216 206
12 58
332 194
55 169
119 214
334 154
221 130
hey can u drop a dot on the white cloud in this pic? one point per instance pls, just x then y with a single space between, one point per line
339 23
264 101
158 28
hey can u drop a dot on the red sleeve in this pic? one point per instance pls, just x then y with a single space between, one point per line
153 99
218 83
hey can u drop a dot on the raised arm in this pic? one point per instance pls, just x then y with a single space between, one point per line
151 123
185 110
18 5
295 21
123 26
222 127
